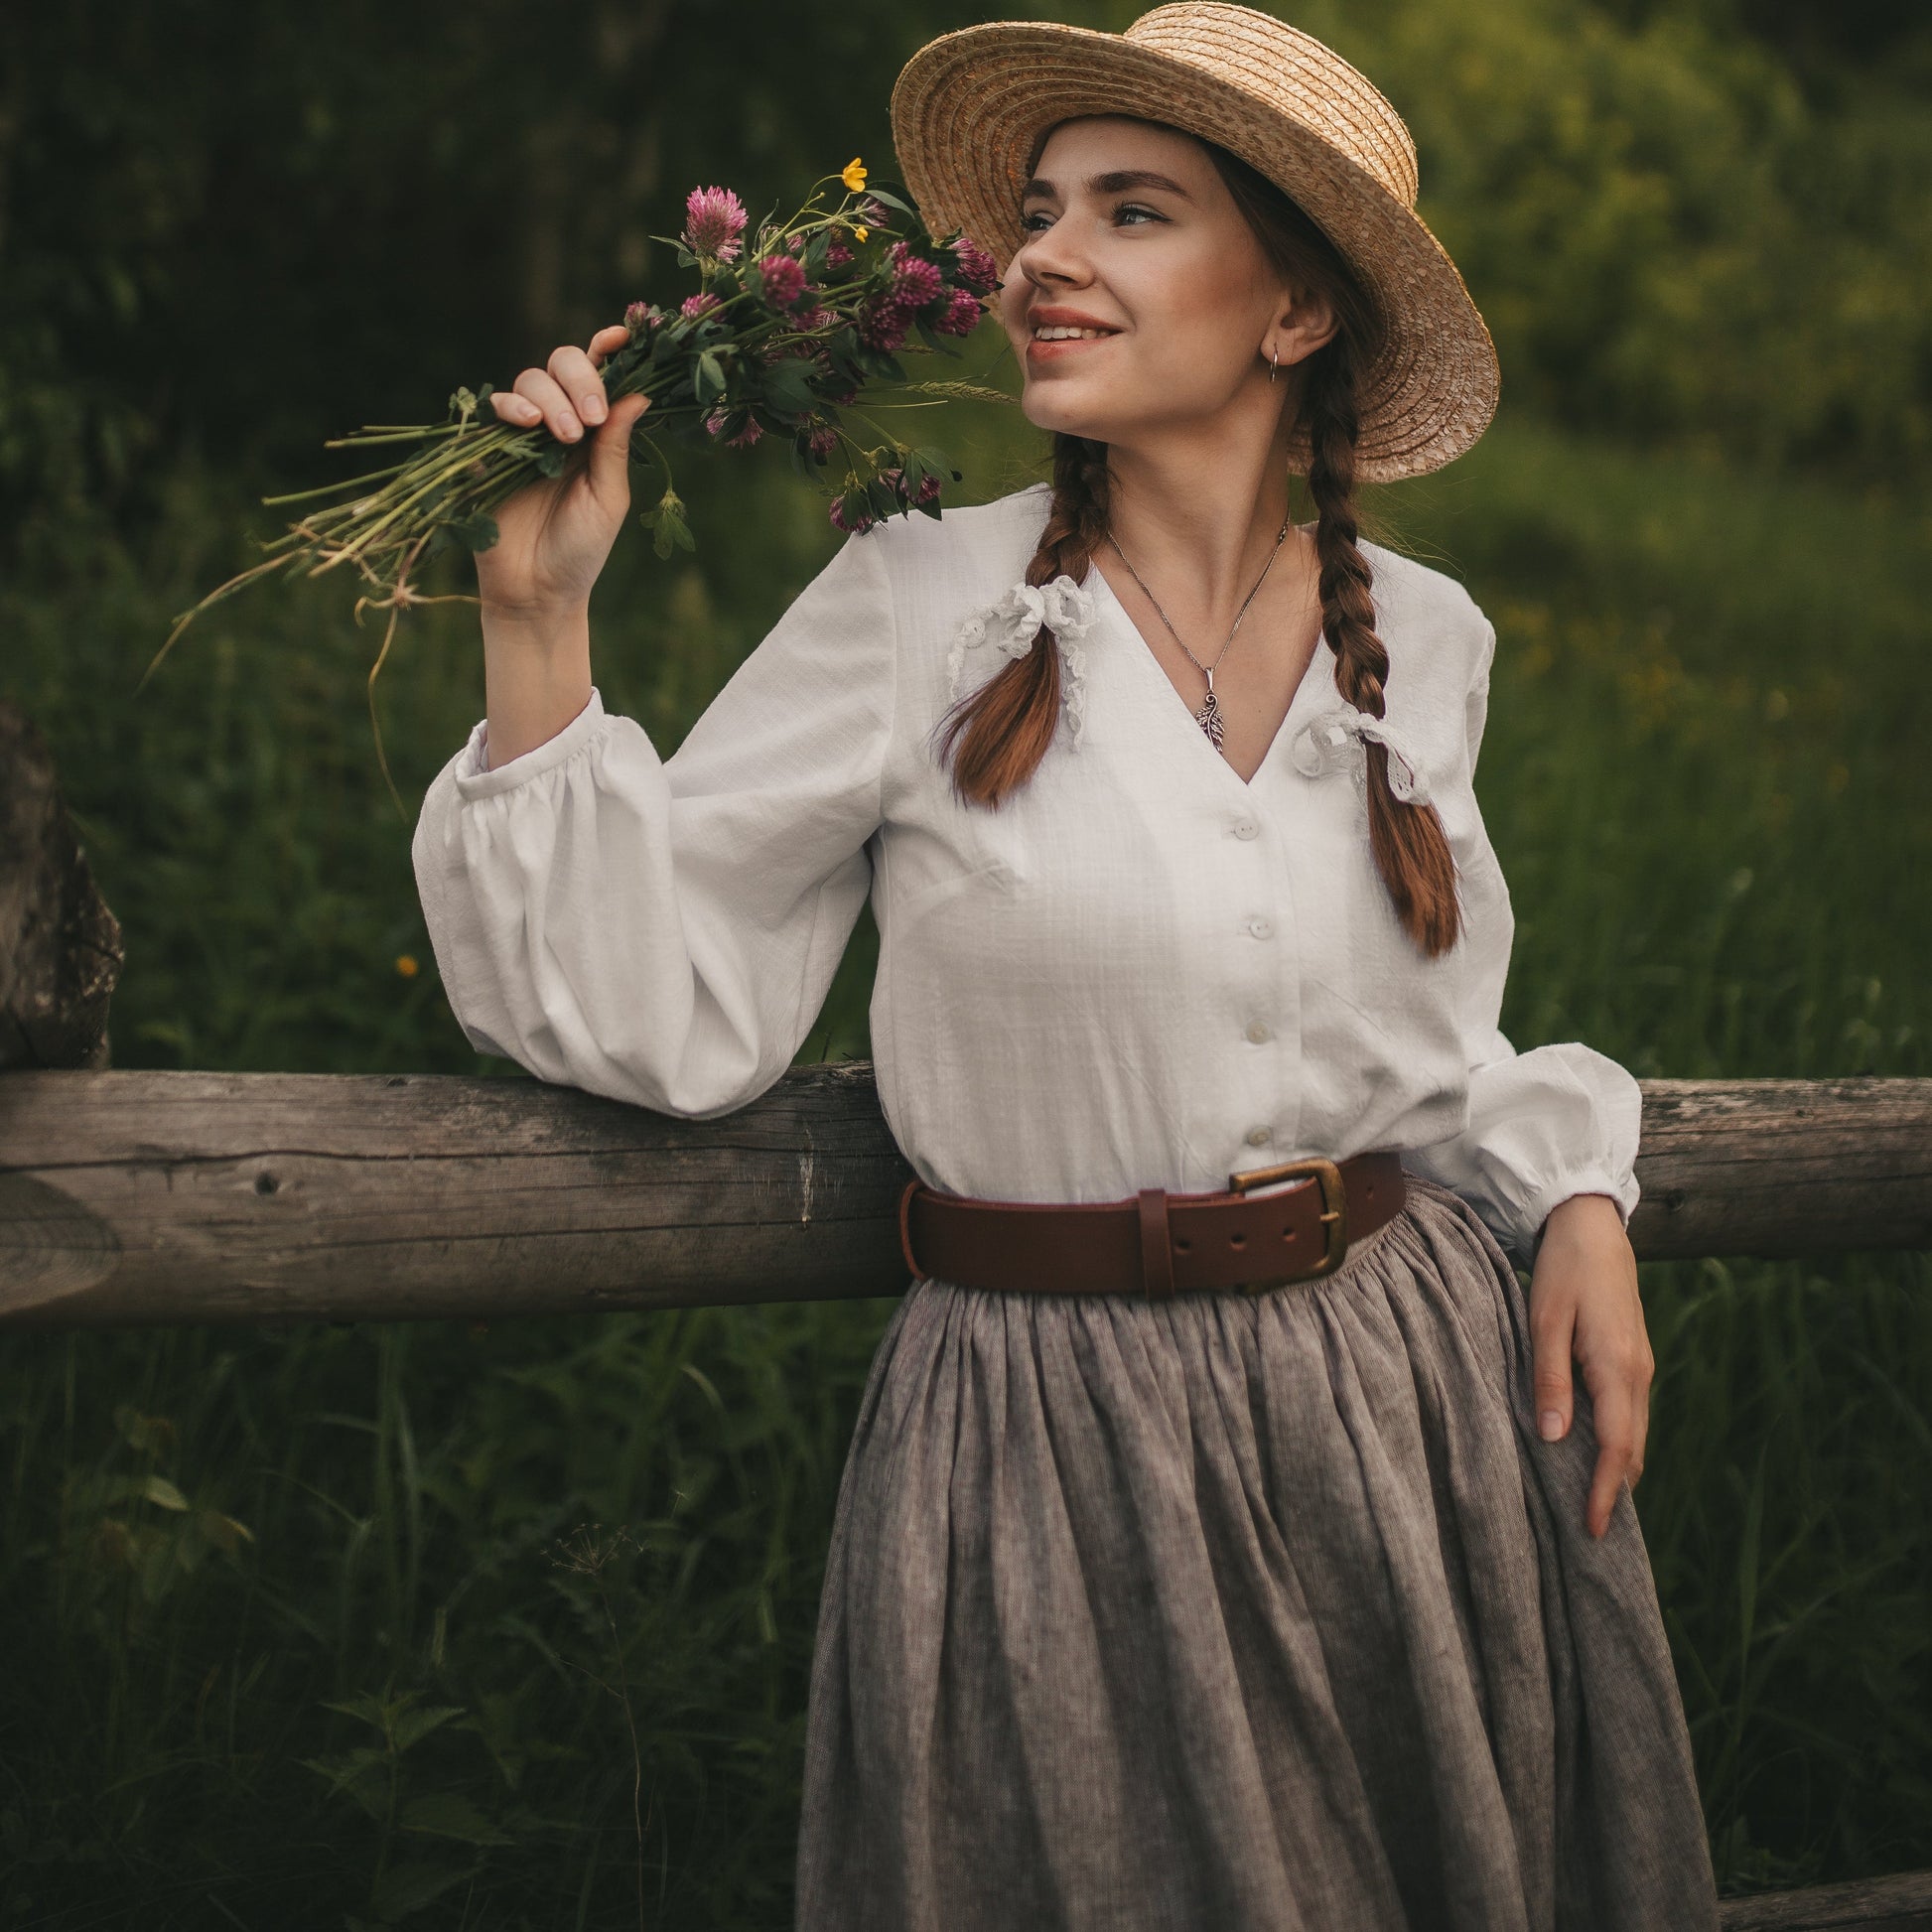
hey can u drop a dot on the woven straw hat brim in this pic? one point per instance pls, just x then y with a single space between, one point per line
968 106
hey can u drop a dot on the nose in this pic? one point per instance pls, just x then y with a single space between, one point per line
1049 256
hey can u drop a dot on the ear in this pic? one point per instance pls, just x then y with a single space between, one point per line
1306 321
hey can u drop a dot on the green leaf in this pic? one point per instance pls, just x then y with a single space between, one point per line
787 387
477 533
709 380
361 1776
151 1435
373 1711
162 1493
890 201
412 1727
666 518
549 459
223 1532
407 1889
447 1814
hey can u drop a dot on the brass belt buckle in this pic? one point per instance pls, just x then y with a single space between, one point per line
1335 1211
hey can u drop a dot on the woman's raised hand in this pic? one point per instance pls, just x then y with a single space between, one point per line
554 534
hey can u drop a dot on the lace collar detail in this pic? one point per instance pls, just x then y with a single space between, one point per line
1009 626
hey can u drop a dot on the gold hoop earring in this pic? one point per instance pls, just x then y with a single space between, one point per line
1274 364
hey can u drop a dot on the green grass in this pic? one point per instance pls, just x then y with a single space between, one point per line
245 1570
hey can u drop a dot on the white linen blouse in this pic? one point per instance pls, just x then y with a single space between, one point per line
1139 972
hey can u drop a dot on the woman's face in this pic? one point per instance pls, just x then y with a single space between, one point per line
1127 226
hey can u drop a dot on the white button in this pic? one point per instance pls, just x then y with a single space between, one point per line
1260 927
1260 1136
1245 828
1258 1031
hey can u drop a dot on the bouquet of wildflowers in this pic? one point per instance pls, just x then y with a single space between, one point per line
780 338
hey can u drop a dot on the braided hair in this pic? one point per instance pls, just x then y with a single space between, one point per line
1411 849
997 736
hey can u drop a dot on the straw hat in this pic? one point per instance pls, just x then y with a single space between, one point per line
968 106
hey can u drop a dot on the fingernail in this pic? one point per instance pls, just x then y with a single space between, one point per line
1551 1424
593 409
572 429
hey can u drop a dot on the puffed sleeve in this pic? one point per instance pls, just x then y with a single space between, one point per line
664 931
1556 1121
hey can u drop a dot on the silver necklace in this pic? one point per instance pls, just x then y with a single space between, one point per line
1208 717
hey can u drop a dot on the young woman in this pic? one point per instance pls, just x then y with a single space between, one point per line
1221 1546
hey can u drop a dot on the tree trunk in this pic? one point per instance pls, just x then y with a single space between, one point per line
60 946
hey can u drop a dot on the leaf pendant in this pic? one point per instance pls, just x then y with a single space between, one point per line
1208 718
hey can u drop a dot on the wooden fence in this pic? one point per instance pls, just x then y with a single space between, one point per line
130 1198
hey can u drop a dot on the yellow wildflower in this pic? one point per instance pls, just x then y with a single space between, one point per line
406 965
854 175
861 233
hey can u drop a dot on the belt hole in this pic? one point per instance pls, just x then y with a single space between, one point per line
1181 1247
1237 1240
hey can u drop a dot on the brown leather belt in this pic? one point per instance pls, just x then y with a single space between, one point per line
1158 1244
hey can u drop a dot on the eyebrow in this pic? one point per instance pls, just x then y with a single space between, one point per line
1110 183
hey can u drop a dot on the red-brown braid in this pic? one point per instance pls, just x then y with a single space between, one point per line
1411 850
997 736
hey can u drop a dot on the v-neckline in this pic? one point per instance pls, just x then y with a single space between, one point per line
1144 652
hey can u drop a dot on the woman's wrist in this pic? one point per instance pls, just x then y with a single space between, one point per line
534 626
1583 1213
536 677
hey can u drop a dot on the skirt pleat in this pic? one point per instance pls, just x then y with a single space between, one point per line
1240 1613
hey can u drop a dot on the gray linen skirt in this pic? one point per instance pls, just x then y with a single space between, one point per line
1240 1613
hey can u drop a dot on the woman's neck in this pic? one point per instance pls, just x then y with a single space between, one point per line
1200 516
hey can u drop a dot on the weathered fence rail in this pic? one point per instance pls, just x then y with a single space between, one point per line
1902 1903
130 1197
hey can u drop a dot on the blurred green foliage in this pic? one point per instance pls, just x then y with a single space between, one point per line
231 231
445 1625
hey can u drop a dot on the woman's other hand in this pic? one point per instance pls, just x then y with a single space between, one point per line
1584 1305
555 534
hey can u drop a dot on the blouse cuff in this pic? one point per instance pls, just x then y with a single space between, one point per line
477 778
1620 1187
1557 1120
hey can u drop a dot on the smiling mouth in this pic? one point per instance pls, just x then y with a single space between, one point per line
1061 333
